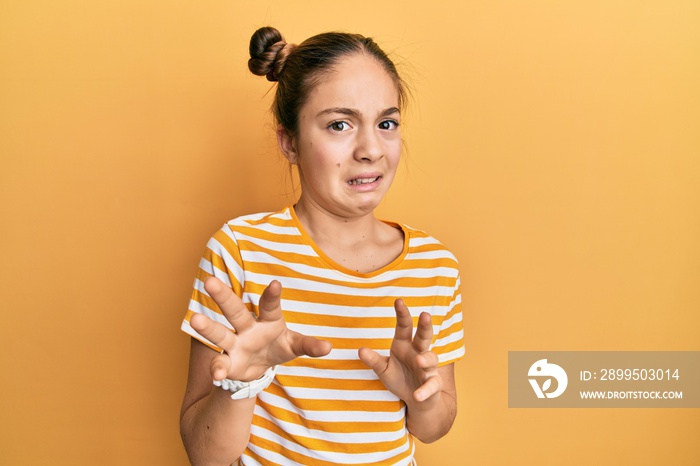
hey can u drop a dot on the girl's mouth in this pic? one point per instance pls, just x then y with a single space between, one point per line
359 181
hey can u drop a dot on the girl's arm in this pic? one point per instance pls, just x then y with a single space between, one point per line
411 372
215 429
432 419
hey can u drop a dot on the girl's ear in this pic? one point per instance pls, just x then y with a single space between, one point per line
287 145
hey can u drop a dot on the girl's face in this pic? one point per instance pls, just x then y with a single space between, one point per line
349 143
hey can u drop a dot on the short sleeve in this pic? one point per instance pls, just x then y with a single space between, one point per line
449 341
221 259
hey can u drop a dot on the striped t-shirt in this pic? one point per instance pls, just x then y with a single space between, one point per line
331 410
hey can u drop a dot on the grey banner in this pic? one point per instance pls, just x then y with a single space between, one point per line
604 379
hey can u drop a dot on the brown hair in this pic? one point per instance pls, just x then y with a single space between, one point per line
298 68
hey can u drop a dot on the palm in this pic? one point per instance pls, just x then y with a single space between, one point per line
403 369
410 370
257 344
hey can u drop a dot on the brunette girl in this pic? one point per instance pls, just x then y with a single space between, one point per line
324 365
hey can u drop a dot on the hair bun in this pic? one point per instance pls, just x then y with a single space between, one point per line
268 52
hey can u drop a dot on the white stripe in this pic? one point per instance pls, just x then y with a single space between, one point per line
215 316
353 333
452 355
349 354
420 241
320 331
218 249
261 257
422 272
252 298
334 456
451 338
270 456
339 374
447 323
379 291
306 393
439 254
332 416
274 229
246 460
246 219
302 307
338 437
302 249
220 274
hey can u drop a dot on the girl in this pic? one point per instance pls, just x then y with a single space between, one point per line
323 365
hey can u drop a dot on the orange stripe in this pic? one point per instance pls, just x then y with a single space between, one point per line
259 459
279 270
338 405
320 297
331 384
206 301
354 343
304 459
321 445
333 427
340 321
324 363
451 347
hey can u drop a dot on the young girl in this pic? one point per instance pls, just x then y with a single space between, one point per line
324 366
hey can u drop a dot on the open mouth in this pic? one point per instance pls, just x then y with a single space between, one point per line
358 181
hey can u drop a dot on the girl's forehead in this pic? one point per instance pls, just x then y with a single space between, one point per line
356 78
357 64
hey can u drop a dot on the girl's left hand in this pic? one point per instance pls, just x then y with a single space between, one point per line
411 369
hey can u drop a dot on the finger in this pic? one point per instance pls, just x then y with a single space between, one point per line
404 321
424 333
431 386
304 345
373 360
220 366
427 361
230 304
215 332
270 305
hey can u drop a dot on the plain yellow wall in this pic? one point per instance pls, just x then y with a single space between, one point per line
554 146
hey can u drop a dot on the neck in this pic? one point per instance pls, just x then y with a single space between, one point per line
325 227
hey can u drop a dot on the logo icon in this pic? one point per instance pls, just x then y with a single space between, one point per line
541 369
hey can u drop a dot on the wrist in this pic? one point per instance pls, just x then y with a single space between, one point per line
241 390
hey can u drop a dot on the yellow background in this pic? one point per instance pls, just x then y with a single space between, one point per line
554 146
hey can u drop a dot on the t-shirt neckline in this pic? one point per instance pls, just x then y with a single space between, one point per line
333 264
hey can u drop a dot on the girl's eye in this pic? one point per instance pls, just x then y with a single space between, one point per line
339 126
389 124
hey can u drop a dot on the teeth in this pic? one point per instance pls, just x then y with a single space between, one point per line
363 180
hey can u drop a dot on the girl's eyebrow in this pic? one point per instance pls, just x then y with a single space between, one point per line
356 113
390 111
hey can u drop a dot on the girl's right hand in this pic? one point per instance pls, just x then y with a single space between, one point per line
257 344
